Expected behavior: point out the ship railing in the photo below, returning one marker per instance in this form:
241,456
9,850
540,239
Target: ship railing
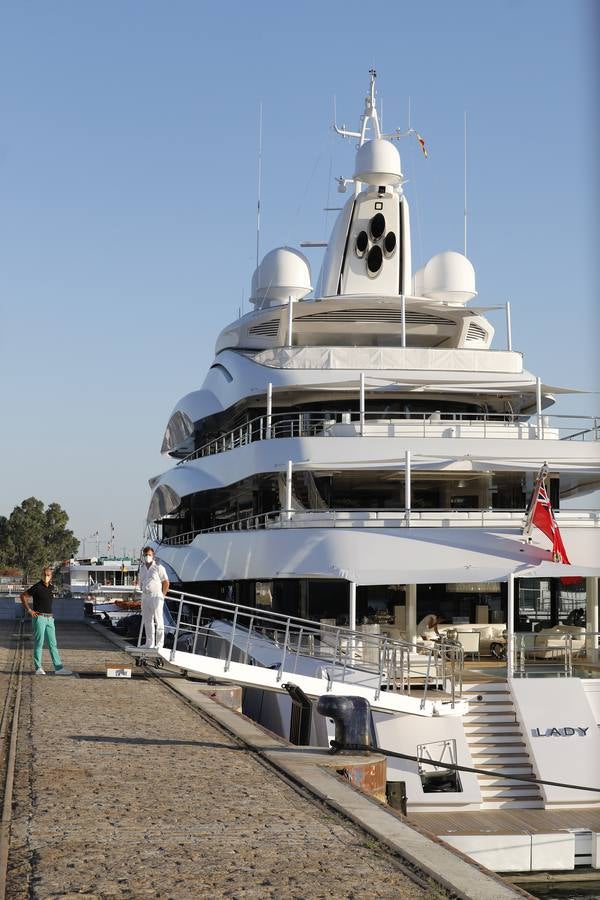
232,632
342,423
383,518
554,653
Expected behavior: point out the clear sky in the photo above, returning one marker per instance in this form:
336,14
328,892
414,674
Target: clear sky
128,136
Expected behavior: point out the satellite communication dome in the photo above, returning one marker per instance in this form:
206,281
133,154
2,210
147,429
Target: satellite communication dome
282,273
378,162
449,276
418,282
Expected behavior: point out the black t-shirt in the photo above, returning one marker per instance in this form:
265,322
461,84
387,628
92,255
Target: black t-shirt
42,596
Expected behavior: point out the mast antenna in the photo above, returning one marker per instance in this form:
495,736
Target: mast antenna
259,181
465,208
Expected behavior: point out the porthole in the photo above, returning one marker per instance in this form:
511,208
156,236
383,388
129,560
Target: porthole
374,260
389,243
377,226
362,242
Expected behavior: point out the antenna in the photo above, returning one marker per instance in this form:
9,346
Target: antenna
465,210
259,180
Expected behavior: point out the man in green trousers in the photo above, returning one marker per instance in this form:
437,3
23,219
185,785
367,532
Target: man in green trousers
42,622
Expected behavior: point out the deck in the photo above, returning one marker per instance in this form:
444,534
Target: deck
513,821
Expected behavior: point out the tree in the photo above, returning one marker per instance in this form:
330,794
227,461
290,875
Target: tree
61,543
3,538
36,537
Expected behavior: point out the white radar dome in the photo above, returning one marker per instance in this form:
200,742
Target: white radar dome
282,273
417,287
378,162
449,276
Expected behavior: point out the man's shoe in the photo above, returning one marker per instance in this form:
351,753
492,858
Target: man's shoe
39,671
63,671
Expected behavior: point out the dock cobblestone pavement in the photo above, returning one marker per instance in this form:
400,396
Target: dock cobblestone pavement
123,791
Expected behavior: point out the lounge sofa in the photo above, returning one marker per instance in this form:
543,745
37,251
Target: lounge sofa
552,642
488,634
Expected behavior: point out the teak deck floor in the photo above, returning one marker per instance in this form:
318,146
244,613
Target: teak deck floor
508,821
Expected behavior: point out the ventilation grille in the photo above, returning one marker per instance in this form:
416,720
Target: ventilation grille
389,316
476,333
265,329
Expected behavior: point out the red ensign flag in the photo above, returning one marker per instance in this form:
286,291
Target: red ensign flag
541,515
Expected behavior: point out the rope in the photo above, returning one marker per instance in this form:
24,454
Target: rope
336,746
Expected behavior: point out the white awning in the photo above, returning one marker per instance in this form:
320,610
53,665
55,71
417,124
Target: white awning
380,556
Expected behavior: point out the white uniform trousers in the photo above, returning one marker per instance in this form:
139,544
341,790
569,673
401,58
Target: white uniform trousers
152,617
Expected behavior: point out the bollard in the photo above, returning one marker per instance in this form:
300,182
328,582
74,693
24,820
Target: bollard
352,717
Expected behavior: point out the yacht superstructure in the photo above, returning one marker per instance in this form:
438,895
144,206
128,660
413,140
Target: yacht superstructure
373,412
359,455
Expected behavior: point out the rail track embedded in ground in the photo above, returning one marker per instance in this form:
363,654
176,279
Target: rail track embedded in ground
9,727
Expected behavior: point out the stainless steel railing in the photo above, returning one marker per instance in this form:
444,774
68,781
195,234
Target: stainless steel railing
226,630
536,653
388,518
342,423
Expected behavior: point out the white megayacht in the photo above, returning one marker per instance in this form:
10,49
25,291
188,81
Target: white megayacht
360,456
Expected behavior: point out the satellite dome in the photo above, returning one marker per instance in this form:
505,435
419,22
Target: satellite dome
282,273
418,282
378,162
449,276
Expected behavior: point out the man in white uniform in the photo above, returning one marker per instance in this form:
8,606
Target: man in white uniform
154,584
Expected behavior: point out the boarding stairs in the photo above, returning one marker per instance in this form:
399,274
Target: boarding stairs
497,744
257,648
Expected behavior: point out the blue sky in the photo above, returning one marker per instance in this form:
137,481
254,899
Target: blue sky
128,135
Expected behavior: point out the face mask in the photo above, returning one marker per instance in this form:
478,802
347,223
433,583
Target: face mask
148,557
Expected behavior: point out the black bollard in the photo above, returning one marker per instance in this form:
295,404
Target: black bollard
352,717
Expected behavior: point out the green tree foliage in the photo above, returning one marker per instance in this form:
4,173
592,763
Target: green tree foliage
33,537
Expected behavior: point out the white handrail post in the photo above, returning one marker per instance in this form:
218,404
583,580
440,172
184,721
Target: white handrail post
510,630
290,323
591,594
403,318
269,408
362,404
352,606
288,490
407,486
538,401
177,626
508,327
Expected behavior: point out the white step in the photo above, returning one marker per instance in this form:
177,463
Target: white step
477,709
487,695
491,738
512,804
508,793
500,770
497,761
471,730
489,782
495,751
490,718
482,687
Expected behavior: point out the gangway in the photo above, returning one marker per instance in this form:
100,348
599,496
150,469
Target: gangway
262,649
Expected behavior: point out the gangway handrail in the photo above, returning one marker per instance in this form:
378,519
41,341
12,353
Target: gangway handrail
342,649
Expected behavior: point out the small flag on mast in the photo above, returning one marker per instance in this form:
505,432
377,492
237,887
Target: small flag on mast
422,144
